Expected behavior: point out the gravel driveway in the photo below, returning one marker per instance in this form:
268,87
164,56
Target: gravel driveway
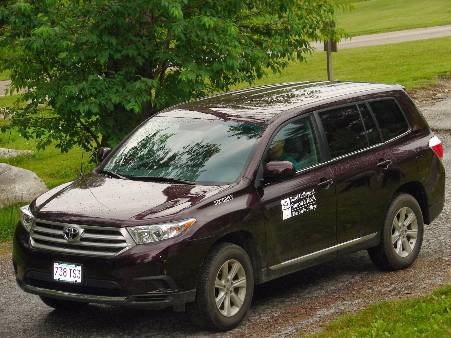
301,302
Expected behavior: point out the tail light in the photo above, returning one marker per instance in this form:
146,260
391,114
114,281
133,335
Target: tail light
436,145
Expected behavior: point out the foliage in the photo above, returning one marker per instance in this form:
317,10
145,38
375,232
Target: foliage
428,316
94,69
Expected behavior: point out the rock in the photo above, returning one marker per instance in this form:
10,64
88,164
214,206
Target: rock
18,185
7,153
4,85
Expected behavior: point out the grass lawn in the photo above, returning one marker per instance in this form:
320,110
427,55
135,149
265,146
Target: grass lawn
4,76
52,166
375,16
412,64
428,316
7,101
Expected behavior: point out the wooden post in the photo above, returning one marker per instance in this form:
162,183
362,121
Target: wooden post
330,75
330,46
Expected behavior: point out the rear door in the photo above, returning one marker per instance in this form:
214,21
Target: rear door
397,155
357,165
300,212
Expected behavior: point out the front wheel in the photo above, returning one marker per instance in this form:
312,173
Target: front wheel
225,288
402,235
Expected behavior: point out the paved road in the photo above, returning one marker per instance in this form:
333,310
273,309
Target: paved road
393,37
300,302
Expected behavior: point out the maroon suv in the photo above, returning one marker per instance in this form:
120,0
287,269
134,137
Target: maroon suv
206,199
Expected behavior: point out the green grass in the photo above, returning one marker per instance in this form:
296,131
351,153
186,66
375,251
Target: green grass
52,166
7,101
8,219
412,64
428,316
4,75
375,16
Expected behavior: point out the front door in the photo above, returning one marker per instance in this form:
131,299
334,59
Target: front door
300,211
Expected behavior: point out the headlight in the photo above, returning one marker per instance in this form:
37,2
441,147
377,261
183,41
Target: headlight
158,232
26,217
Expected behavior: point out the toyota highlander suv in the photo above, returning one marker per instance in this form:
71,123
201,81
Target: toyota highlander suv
206,199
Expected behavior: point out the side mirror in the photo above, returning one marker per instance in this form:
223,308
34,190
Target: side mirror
278,170
102,153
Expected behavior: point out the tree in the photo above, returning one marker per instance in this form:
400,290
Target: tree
91,70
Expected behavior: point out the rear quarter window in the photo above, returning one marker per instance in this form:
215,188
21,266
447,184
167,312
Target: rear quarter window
390,118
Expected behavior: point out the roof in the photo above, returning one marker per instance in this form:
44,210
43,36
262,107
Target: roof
261,104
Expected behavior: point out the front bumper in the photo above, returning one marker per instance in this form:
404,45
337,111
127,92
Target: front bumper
153,278
154,300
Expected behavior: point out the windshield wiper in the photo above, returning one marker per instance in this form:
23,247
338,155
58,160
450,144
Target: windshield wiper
159,179
112,174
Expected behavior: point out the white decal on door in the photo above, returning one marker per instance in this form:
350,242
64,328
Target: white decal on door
222,200
298,204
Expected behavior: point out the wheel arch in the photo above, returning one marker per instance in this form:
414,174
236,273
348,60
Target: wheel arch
246,240
416,189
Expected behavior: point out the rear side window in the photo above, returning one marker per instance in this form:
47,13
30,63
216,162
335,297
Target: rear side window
344,130
371,130
391,120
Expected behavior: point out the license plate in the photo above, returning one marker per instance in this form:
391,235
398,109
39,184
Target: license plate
65,272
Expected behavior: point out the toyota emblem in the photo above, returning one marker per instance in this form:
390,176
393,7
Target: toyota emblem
72,233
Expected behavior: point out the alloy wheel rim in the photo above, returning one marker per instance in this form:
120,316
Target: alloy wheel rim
404,232
230,288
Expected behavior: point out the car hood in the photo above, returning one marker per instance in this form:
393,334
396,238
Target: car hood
99,197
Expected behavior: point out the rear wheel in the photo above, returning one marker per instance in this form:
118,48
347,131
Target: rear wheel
62,305
402,235
225,288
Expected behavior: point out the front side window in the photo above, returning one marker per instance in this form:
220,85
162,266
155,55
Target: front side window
296,143
210,151
389,117
344,130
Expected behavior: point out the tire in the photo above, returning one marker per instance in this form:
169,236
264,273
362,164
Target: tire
400,243
204,311
63,305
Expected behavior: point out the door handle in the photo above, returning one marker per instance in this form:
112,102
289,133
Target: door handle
325,183
384,164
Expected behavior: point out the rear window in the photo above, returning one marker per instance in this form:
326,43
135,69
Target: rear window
390,118
344,130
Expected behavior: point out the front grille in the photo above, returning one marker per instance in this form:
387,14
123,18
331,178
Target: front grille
94,240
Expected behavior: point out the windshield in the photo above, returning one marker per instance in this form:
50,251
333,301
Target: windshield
186,149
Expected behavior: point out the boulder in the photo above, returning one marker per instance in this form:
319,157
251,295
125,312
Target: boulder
7,153
18,185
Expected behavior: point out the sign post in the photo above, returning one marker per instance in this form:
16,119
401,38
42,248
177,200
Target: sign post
330,46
